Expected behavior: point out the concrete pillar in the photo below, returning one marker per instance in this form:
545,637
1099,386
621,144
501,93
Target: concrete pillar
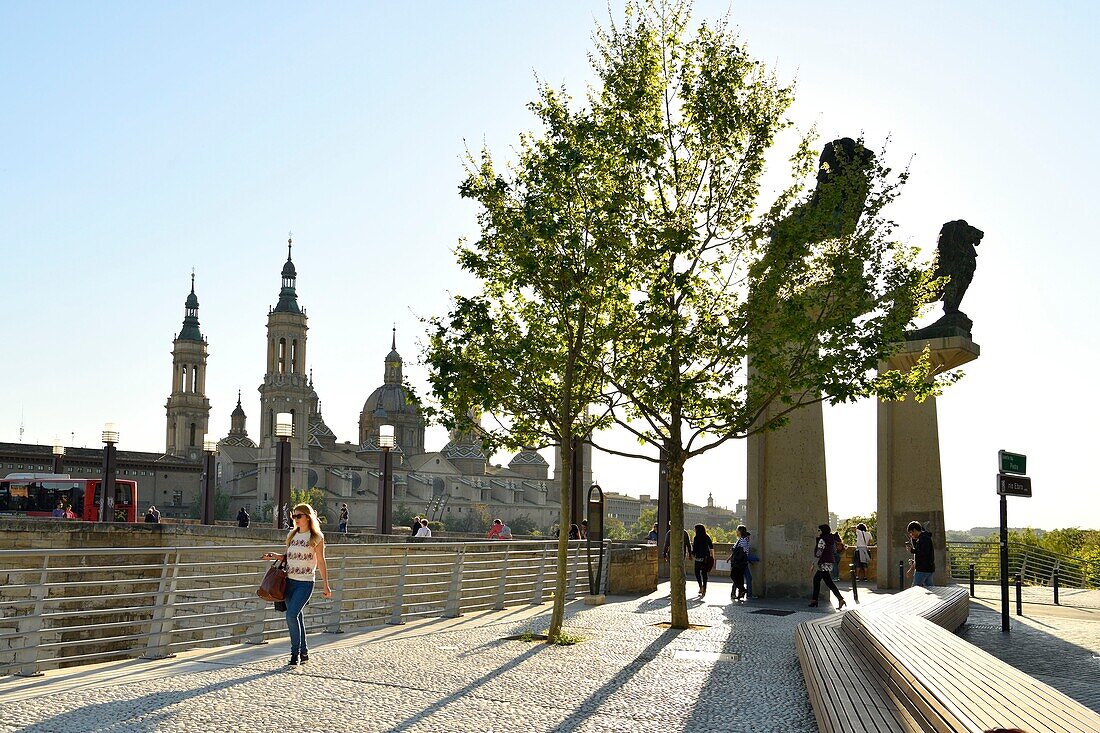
787,499
910,485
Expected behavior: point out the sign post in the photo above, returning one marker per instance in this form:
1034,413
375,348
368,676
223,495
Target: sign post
1010,482
595,537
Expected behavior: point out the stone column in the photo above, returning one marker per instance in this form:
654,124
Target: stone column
787,499
910,485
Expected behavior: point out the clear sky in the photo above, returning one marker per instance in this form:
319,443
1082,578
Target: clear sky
144,139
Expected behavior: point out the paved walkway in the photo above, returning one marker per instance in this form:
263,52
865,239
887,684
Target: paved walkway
739,673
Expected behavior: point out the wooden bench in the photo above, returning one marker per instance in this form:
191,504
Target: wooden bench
895,665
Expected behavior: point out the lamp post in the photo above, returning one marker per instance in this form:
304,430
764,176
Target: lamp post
110,438
206,506
58,455
284,430
386,441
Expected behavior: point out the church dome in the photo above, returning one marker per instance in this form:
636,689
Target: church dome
463,448
288,269
392,398
529,457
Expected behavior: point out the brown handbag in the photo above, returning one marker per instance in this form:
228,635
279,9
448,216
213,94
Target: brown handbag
273,587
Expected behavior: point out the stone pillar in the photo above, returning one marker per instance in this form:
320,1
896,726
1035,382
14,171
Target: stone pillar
787,499
910,485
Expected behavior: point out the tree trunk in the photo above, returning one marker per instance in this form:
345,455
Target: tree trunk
557,617
676,565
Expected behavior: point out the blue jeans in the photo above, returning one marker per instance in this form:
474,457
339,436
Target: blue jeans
297,595
748,580
924,579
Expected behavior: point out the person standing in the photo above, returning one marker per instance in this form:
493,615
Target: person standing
748,568
424,530
242,518
864,540
702,549
304,556
838,555
344,518
152,516
652,536
668,543
584,529
59,510
924,554
739,563
824,559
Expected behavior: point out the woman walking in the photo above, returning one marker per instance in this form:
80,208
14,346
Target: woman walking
304,556
863,555
824,558
702,549
739,563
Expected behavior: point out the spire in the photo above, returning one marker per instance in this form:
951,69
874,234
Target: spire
393,344
393,362
190,330
288,296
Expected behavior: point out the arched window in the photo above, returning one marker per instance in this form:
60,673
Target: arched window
294,356
192,435
194,379
186,382
282,356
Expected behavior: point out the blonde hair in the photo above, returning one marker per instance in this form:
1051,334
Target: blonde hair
316,536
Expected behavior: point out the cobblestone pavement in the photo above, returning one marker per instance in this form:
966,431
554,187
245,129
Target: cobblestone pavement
457,675
737,674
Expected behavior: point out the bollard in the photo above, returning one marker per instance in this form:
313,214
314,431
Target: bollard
1019,595
901,575
855,585
972,580
1056,588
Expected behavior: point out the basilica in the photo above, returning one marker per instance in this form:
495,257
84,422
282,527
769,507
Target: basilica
439,484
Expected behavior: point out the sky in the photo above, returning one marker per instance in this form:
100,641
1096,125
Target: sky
146,139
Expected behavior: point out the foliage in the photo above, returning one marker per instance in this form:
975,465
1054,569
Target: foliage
315,497
522,524
566,639
476,520
402,515
222,509
641,528
847,527
614,529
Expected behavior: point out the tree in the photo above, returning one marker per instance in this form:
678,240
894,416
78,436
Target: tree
529,349
847,527
614,529
810,291
646,520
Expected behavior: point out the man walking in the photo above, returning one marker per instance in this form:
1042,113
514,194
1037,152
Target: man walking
924,556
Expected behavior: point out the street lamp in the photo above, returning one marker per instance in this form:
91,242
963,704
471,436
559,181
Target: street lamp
110,437
206,506
386,441
284,431
58,455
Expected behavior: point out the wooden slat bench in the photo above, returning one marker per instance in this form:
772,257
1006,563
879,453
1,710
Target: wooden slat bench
895,665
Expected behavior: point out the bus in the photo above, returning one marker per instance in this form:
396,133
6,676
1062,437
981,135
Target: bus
37,495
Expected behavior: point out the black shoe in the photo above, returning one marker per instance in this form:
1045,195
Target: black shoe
293,662
813,605
305,657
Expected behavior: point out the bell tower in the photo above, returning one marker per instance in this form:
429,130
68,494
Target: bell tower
188,408
286,383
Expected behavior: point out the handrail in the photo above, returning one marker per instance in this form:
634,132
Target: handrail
77,604
1034,564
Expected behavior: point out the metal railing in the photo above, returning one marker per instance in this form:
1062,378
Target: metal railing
73,606
1034,565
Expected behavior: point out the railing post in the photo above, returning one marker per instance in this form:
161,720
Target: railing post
855,583
571,576
454,595
1019,595
972,594
502,587
336,606
399,591
160,625
606,570
901,575
540,579
1056,587
31,626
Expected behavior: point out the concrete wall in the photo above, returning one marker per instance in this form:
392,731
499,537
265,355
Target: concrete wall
632,570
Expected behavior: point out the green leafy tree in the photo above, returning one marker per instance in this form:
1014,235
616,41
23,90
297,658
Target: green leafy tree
646,520
847,528
222,509
614,529
810,290
315,497
476,520
529,349
522,524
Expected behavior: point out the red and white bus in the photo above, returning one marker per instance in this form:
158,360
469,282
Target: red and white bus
38,494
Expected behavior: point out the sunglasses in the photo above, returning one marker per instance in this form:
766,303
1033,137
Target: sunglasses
297,516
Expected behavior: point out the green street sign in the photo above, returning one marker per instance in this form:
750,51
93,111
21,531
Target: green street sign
1011,462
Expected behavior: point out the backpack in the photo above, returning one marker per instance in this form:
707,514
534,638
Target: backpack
740,558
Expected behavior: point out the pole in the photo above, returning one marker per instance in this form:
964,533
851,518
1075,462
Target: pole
108,482
1019,595
206,507
901,575
855,585
1004,564
663,513
1056,588
576,484
972,580
384,519
282,478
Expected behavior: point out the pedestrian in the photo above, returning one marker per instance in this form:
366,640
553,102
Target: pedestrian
152,515
574,532
505,532
242,518
424,530
344,517
824,559
864,540
702,549
496,529
59,510
924,554
739,563
652,536
838,553
304,556
753,558
414,526
668,543
584,529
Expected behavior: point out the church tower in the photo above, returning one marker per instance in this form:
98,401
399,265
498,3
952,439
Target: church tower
286,384
188,408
